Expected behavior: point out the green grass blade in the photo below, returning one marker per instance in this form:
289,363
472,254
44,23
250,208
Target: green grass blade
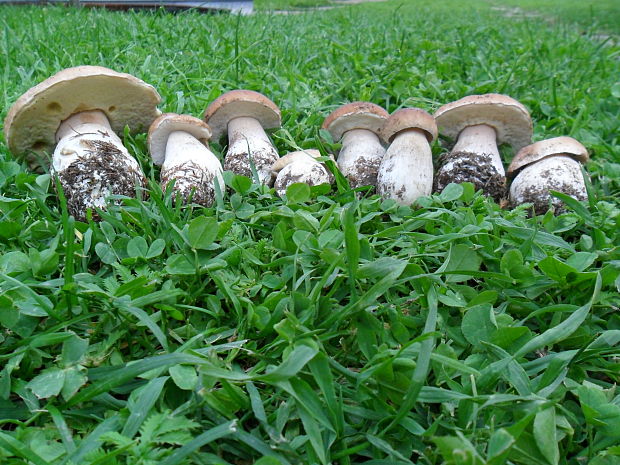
211,435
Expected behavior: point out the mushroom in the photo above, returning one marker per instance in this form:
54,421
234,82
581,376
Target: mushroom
481,123
551,164
300,166
75,114
179,144
244,115
357,125
406,171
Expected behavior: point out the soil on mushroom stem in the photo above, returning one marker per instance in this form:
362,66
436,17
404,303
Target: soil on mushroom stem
191,182
315,176
471,167
540,197
239,163
102,173
365,173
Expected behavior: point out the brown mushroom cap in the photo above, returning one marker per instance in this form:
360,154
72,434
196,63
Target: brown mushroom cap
32,121
563,145
355,115
509,118
290,157
169,122
410,118
238,103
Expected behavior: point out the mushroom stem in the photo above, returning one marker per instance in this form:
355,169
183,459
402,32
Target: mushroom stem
192,166
300,167
475,158
406,171
560,173
183,147
360,157
75,137
247,139
480,139
92,163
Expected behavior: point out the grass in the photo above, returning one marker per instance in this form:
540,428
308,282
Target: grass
322,328
270,5
601,15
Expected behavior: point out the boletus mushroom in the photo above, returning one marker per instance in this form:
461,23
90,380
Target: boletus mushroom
406,171
244,115
75,115
179,144
301,166
480,123
552,164
357,126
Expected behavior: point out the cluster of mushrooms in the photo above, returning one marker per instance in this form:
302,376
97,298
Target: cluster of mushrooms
77,113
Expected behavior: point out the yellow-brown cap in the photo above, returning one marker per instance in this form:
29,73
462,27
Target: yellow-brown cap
355,115
509,118
169,122
32,121
563,145
239,103
409,118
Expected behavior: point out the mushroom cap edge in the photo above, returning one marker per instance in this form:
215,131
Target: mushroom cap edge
510,119
355,115
131,102
167,123
241,103
562,145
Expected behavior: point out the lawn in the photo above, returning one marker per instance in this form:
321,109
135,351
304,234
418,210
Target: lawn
323,328
602,16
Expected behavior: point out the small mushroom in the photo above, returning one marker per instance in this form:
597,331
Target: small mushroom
244,115
357,125
76,114
406,171
179,144
551,164
481,123
300,166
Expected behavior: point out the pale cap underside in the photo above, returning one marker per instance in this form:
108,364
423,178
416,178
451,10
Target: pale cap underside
309,155
355,115
32,121
241,103
563,145
167,123
410,118
510,119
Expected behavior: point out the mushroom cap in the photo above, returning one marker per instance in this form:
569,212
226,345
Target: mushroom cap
563,145
169,122
32,121
355,115
305,155
410,118
238,103
509,118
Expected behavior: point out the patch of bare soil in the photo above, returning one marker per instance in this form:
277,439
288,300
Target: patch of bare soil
516,12
336,4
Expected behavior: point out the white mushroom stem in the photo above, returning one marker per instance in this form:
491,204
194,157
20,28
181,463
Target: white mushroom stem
183,148
480,139
359,145
406,171
247,136
76,135
193,168
299,167
561,173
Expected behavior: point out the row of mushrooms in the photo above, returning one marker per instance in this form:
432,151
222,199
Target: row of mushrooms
77,114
